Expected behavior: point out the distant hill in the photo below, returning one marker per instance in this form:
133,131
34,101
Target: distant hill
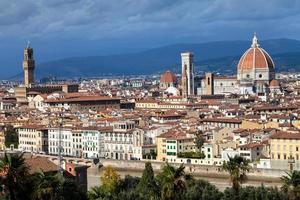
221,56
286,62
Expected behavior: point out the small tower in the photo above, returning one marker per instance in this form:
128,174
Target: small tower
209,83
28,66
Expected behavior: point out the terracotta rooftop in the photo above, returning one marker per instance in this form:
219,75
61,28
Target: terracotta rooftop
80,99
251,145
225,120
168,77
255,58
286,135
36,164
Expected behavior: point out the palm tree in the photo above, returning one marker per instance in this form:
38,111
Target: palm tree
237,167
14,173
48,187
173,182
52,187
291,184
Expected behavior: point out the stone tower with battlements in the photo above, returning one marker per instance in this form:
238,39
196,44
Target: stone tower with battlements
28,66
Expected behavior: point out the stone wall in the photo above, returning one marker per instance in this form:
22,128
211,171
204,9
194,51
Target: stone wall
197,170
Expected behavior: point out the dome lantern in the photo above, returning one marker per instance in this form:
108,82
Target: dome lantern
254,41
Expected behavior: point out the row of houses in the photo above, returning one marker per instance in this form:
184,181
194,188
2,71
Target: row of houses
120,140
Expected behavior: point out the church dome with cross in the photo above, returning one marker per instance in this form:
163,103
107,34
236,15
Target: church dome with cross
256,67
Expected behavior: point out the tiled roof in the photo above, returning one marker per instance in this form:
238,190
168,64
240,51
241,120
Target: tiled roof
286,135
255,57
36,164
168,77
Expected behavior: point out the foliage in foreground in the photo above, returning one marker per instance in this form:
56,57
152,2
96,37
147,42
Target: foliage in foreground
237,167
18,184
173,183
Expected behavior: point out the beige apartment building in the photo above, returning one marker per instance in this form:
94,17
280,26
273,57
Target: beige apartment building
33,138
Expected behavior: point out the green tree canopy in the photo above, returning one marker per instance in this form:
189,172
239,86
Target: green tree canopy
148,186
173,182
199,140
11,137
110,180
237,167
14,173
291,184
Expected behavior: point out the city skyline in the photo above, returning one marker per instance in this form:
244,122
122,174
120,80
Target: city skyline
150,99
87,28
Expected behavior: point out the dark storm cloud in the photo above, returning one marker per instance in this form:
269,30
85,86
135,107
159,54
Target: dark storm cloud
174,19
58,27
14,13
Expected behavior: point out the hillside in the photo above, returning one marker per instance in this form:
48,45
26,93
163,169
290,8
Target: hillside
219,56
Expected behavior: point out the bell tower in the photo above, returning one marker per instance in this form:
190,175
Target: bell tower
187,80
28,66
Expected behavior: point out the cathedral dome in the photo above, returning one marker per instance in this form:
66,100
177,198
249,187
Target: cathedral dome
274,83
168,77
255,58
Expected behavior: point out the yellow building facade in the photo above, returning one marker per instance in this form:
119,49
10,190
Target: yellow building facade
285,150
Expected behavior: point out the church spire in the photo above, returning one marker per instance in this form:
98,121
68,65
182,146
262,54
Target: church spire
254,41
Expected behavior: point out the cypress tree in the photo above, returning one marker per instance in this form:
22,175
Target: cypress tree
147,186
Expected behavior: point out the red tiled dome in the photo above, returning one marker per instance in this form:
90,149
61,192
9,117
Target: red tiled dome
274,83
168,77
255,58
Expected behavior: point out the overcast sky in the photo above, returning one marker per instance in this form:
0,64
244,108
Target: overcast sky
62,28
